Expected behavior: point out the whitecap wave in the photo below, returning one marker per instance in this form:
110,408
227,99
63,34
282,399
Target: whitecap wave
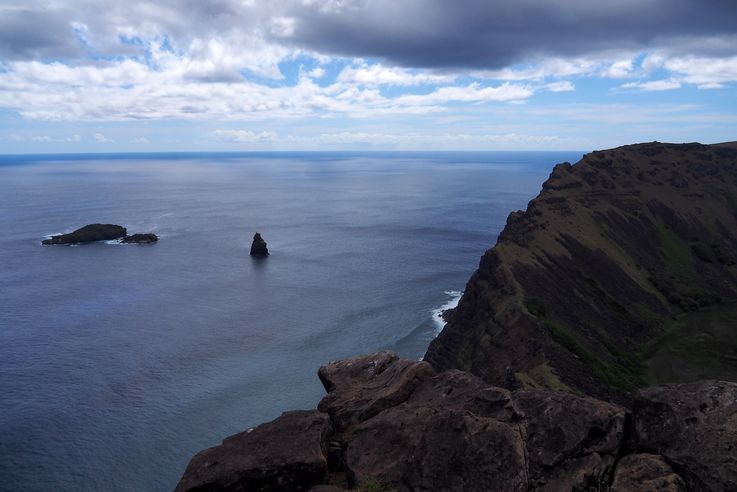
437,313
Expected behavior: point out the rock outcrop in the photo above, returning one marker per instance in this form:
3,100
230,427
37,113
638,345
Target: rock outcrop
694,427
258,246
88,234
288,453
584,285
101,232
393,424
147,238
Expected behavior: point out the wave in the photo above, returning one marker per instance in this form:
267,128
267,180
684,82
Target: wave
437,313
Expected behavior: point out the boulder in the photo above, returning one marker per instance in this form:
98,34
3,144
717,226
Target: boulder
362,387
425,448
288,453
646,473
694,427
571,441
88,234
258,246
140,238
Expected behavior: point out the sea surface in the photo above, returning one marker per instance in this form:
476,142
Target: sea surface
119,362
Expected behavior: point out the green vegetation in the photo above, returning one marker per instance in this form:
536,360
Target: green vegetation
677,255
543,377
626,373
697,345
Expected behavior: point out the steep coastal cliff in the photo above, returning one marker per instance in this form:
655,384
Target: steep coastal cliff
621,273
591,282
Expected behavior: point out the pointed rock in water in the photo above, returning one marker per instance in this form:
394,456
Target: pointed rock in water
88,234
258,246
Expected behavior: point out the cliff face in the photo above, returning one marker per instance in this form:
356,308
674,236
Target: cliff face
582,288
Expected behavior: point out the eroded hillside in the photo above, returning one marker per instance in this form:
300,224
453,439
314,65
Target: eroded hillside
586,286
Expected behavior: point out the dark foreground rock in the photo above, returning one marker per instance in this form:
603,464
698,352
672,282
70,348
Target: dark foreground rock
288,453
394,424
694,427
258,246
88,234
140,238
645,472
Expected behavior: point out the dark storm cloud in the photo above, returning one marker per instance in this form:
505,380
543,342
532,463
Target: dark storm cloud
484,34
27,34
494,33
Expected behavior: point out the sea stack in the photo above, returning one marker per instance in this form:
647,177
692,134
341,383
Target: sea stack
258,246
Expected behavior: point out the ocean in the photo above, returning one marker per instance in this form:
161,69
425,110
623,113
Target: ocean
119,362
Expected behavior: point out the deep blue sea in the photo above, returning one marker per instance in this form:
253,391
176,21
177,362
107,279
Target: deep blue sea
119,362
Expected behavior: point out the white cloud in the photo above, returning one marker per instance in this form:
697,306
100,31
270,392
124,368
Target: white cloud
316,73
546,68
13,137
471,93
562,86
621,69
654,85
140,140
416,140
131,90
380,75
99,137
241,136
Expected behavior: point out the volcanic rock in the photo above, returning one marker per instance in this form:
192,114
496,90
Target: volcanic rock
596,269
140,238
395,424
646,473
258,246
362,387
694,427
88,234
288,453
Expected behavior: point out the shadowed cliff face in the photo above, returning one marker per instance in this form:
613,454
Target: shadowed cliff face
585,286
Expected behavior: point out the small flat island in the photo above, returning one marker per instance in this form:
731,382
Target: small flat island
101,232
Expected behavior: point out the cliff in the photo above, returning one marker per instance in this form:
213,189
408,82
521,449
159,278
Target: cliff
587,290
621,273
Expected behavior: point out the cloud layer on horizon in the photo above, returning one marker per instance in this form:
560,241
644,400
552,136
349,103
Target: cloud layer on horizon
249,60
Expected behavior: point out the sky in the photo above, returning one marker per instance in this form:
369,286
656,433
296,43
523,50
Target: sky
242,75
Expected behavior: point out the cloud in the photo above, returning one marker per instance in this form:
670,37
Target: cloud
705,72
241,136
561,86
132,90
471,93
13,137
104,60
378,74
493,34
99,137
423,140
654,85
140,140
